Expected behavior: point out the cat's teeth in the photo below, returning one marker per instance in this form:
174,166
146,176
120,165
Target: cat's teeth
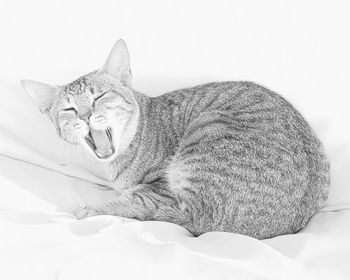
103,142
90,141
109,134
105,154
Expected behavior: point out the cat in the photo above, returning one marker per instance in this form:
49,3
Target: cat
224,156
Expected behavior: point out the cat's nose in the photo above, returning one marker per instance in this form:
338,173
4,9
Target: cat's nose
86,116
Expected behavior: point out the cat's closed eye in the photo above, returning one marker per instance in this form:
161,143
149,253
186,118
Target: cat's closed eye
108,100
67,113
100,100
100,97
70,109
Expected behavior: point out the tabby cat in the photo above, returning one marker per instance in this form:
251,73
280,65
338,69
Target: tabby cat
227,156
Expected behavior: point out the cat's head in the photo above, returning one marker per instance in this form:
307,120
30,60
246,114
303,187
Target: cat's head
97,111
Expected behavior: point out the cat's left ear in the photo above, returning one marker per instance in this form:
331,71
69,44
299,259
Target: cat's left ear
118,62
43,95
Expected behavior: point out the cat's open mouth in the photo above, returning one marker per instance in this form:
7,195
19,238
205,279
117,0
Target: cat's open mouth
101,142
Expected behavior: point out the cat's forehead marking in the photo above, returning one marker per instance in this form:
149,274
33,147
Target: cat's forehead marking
83,99
80,91
78,87
86,88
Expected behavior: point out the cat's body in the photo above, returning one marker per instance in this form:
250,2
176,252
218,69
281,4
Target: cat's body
230,156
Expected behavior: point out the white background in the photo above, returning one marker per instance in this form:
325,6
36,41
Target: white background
300,49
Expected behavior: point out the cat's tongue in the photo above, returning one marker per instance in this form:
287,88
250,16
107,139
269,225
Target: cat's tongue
102,143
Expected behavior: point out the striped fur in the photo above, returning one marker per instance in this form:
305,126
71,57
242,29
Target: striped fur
228,156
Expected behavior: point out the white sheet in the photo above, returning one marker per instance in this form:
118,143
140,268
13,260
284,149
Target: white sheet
39,239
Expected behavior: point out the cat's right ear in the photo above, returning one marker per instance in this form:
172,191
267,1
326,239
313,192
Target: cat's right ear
43,95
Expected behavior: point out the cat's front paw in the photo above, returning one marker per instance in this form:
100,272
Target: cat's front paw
85,212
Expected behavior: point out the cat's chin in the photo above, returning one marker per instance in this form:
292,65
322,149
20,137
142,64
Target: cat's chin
100,143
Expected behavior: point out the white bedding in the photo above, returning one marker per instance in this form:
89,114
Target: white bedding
297,48
39,239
